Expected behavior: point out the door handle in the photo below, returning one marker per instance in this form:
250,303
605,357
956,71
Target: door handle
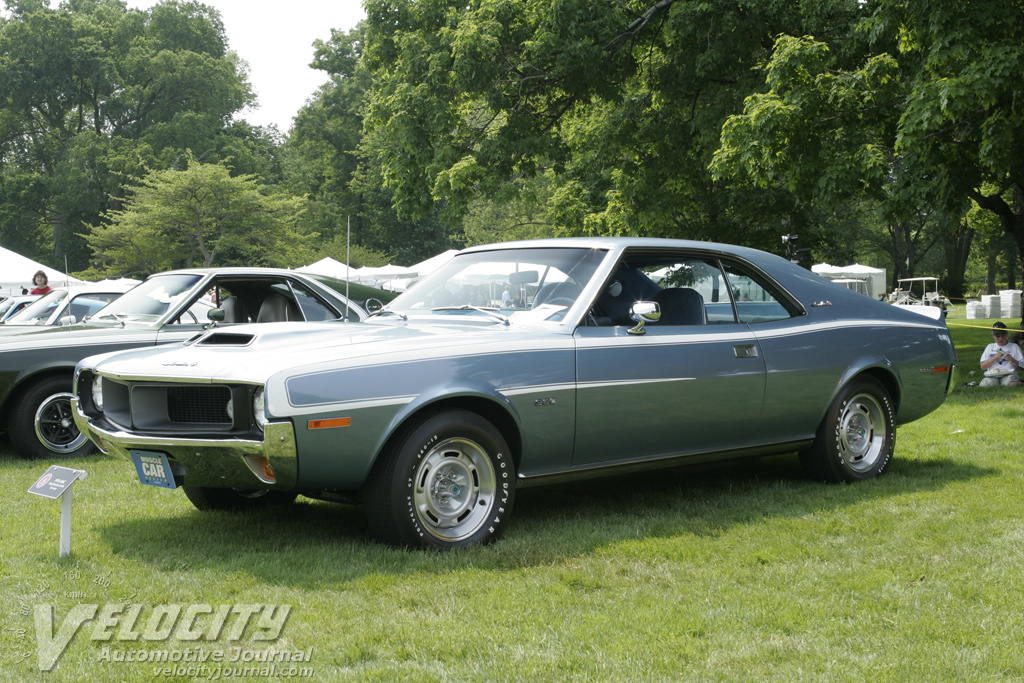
745,350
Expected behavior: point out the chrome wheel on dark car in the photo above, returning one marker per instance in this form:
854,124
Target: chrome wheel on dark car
42,426
857,437
448,481
454,488
55,425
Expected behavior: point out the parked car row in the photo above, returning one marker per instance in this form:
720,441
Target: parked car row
63,306
513,365
38,354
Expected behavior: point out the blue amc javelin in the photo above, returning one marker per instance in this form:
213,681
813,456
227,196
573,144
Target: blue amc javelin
518,364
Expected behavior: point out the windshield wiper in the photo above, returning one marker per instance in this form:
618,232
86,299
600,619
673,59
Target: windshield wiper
383,311
469,307
116,316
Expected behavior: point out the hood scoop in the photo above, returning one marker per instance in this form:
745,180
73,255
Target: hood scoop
226,339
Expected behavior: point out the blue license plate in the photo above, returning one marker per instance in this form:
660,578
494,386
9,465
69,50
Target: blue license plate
153,468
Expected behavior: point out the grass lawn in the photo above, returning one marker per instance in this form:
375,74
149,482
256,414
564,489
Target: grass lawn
747,573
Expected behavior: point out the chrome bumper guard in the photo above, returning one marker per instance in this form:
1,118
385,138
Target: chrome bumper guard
221,463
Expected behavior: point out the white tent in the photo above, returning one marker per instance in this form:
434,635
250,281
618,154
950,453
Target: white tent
331,268
874,278
387,272
16,273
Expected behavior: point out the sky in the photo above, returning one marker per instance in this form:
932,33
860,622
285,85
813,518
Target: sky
276,39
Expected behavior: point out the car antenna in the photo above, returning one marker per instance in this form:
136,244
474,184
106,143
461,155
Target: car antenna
348,267
67,283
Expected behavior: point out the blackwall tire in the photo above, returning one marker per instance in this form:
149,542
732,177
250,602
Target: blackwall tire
53,434
857,438
447,481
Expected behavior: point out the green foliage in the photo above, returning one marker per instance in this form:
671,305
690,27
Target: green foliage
915,108
93,94
331,159
619,103
200,216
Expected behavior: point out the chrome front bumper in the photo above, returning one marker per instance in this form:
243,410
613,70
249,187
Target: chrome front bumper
220,463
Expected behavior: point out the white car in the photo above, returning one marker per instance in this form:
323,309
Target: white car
67,305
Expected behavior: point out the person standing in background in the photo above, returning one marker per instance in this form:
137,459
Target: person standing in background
41,282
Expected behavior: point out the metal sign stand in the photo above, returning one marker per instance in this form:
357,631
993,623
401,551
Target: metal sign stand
56,483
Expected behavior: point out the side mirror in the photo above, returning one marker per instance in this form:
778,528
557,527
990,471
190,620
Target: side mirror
644,312
67,320
216,315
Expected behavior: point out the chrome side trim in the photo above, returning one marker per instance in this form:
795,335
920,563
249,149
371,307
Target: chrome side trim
629,382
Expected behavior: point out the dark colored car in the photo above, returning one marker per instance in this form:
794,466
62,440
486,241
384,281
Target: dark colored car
519,364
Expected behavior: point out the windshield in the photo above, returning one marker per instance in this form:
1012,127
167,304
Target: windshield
152,299
39,311
538,284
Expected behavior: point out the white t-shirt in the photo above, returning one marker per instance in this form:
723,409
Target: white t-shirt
1002,366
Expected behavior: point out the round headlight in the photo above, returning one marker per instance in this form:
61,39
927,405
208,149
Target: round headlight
259,408
230,408
97,392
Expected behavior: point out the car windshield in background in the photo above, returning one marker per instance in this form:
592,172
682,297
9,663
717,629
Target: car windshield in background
58,303
40,310
539,284
151,300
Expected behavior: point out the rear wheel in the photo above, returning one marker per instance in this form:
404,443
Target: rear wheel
857,437
446,482
209,498
41,424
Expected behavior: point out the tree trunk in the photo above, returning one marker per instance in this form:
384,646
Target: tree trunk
1010,216
958,249
990,273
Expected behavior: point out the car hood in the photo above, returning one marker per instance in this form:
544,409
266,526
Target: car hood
253,353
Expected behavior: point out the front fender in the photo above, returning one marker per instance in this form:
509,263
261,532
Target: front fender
481,399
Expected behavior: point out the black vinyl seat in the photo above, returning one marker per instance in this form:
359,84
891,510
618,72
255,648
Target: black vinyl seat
681,306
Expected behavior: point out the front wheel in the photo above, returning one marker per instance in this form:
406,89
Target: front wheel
447,481
857,437
41,424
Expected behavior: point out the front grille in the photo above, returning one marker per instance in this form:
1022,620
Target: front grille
201,404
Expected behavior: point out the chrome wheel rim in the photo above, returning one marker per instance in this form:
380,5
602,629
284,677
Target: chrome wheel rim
455,488
55,425
862,432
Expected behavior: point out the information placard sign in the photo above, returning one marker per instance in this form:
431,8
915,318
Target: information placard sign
55,481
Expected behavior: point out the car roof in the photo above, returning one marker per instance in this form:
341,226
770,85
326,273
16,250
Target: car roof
231,270
619,244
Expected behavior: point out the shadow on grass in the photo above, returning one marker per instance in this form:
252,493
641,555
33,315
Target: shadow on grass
312,544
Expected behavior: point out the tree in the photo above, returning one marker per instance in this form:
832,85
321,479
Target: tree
200,216
621,102
918,107
331,160
92,94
